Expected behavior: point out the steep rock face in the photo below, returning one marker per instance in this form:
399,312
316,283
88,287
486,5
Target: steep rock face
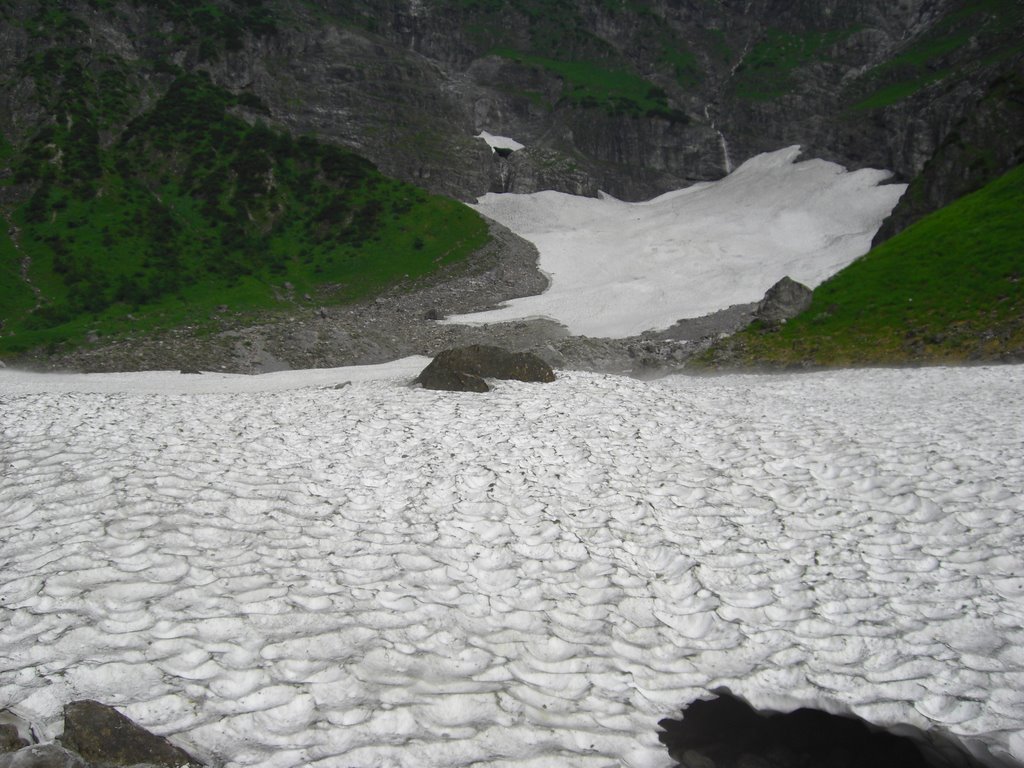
386,103
872,83
632,101
987,141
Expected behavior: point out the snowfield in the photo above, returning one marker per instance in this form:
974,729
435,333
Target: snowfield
500,142
277,572
618,269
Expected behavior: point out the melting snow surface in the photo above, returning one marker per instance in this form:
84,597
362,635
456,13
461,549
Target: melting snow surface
618,269
500,142
280,573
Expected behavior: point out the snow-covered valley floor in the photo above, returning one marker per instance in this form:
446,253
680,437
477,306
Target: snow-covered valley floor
280,573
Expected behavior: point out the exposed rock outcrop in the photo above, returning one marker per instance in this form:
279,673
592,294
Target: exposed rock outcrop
870,83
986,142
784,300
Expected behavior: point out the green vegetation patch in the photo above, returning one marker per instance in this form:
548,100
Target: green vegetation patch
220,25
685,66
216,25
16,297
589,85
765,73
193,208
948,288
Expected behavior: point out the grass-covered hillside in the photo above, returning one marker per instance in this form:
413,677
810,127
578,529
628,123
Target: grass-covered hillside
191,208
949,288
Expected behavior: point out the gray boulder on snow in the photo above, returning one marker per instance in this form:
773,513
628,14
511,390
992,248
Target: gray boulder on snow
784,300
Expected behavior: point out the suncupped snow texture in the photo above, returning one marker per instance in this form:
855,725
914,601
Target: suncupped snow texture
384,575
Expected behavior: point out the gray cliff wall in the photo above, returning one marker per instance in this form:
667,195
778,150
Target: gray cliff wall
409,83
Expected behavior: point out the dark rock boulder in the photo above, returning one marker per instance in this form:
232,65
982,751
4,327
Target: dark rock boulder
106,738
728,733
786,299
9,739
42,756
443,378
463,369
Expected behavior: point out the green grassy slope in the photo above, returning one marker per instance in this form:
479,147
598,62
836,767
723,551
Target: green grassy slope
949,288
193,208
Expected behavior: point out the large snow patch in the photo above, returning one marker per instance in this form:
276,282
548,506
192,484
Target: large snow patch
281,573
618,269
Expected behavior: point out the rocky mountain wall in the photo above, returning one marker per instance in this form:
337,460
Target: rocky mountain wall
630,99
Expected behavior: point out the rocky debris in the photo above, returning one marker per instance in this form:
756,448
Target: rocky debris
728,733
105,737
463,369
696,330
784,300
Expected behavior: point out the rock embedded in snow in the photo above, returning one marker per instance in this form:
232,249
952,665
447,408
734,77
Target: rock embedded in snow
463,369
105,737
784,300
